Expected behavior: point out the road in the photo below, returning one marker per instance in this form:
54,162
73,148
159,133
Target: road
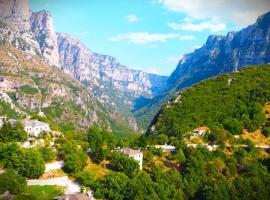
70,187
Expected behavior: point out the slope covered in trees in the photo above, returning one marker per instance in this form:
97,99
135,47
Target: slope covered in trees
230,101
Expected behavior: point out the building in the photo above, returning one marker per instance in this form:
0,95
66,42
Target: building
166,148
201,131
35,127
132,153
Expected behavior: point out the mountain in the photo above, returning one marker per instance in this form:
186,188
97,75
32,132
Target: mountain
230,101
220,54
115,85
28,86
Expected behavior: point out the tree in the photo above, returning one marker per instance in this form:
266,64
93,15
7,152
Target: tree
12,182
233,125
27,162
101,143
47,154
74,157
12,133
141,187
113,186
122,163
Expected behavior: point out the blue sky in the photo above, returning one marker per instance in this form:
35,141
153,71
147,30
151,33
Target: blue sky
149,34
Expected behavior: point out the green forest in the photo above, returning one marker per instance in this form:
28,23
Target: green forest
230,101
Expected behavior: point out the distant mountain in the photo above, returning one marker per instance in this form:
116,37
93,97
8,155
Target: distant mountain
114,84
29,86
220,54
229,101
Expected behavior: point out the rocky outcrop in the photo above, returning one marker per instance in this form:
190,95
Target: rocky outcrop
115,85
102,70
221,54
43,29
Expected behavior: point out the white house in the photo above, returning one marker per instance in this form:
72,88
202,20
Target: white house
166,148
200,131
132,153
35,127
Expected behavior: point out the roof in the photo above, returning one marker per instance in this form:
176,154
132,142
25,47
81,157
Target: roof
203,128
33,123
130,151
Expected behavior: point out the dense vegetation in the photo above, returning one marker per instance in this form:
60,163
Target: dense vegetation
230,101
199,174
12,133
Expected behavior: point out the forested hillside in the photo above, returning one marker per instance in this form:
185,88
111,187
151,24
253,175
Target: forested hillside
230,101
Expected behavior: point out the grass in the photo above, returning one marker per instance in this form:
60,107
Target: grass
96,170
28,89
46,192
53,174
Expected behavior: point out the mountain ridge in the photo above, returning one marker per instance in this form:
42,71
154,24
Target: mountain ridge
220,54
34,33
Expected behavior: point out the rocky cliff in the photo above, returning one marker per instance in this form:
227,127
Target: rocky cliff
220,54
114,84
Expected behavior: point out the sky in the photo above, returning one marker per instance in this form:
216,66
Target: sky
151,35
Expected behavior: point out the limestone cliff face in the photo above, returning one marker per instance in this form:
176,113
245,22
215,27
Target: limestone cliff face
29,31
221,54
43,29
101,72
115,85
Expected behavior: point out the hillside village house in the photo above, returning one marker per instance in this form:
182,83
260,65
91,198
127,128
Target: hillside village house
166,148
132,153
35,127
200,131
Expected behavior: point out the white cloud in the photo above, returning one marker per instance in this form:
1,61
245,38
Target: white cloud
205,25
132,18
240,12
143,37
186,37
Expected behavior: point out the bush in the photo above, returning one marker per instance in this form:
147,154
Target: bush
28,89
74,157
12,182
12,133
121,163
27,162
266,131
47,154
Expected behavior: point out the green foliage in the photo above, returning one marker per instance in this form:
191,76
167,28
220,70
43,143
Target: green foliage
101,143
27,162
6,110
122,163
113,186
47,154
74,157
214,102
12,133
12,182
266,131
46,192
28,89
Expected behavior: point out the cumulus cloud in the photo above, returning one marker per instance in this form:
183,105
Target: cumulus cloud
198,27
240,12
132,18
143,37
